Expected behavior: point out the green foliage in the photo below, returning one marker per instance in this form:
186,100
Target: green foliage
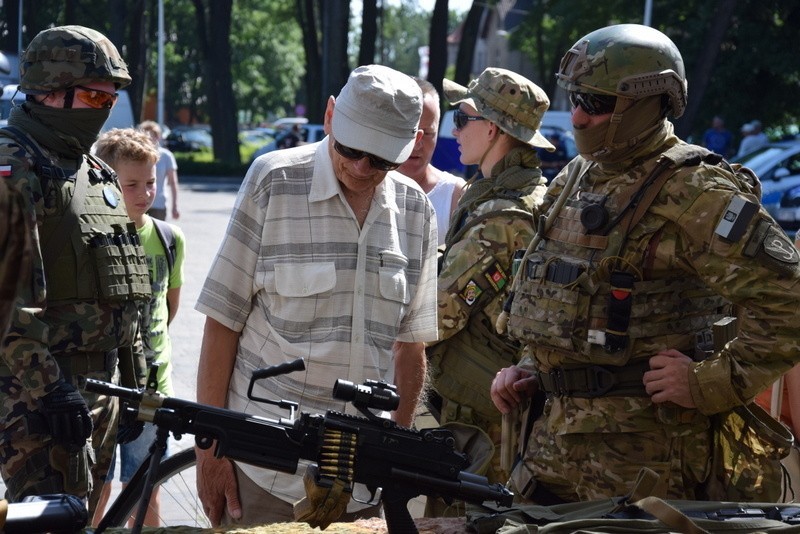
203,164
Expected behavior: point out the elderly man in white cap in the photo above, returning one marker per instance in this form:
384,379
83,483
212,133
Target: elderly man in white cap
329,256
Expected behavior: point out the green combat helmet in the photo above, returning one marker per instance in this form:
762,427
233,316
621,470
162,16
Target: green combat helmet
514,103
66,56
626,60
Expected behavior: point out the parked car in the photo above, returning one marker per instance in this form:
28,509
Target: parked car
778,167
309,133
788,215
447,157
189,139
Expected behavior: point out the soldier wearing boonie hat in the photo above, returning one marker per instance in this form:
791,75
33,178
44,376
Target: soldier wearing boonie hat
497,127
79,316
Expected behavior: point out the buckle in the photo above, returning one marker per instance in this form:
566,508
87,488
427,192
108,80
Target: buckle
599,381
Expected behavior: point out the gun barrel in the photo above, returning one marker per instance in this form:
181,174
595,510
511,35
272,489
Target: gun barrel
105,388
467,487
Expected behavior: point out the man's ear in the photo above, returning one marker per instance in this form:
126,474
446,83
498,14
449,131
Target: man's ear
328,118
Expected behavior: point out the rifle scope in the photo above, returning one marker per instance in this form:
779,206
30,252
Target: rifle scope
371,394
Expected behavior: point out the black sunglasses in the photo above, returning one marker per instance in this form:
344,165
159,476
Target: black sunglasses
461,119
593,104
374,161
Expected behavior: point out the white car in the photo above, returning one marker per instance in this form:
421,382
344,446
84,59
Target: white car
777,166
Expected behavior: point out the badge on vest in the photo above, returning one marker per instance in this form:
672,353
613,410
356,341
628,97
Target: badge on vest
471,293
110,196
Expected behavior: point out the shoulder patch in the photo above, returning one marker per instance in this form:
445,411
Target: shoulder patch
5,170
496,276
471,293
772,247
736,219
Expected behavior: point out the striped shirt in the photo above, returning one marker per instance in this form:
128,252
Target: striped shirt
299,278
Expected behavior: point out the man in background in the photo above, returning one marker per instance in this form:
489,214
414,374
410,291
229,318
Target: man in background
166,174
443,188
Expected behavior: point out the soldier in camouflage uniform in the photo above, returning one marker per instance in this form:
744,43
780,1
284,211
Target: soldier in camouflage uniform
647,241
497,127
78,318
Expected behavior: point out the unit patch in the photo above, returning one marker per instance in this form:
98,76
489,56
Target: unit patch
496,277
779,246
471,293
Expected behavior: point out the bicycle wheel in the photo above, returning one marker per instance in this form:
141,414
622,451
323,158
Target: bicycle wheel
178,495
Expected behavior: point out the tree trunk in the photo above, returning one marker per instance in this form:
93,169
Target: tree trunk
437,44
137,56
335,26
704,67
216,52
466,48
369,33
307,18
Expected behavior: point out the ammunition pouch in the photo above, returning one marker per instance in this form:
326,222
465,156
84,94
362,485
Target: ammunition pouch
463,367
593,381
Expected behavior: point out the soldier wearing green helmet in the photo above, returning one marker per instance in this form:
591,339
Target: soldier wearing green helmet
78,317
648,242
497,127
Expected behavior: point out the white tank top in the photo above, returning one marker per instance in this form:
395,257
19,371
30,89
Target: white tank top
441,196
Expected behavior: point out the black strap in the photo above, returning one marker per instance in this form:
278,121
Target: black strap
593,381
167,238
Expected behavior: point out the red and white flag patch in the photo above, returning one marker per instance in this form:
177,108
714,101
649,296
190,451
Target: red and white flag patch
5,170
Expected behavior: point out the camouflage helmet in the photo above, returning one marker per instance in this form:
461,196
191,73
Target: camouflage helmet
66,56
514,103
626,60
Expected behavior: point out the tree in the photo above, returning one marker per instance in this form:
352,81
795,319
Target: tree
466,48
437,44
213,32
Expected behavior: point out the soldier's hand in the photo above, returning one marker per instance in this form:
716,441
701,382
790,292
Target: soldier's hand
67,415
668,378
511,386
129,427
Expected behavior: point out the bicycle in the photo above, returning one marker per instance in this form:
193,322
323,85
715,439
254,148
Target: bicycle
394,462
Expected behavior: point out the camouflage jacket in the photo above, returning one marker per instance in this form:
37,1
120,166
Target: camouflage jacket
687,265
39,329
15,251
490,227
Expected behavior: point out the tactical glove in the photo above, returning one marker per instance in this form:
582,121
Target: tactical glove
129,428
323,504
67,415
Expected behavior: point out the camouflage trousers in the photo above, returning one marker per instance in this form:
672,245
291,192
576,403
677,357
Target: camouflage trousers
31,464
588,466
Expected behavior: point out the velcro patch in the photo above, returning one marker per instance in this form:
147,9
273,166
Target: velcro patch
496,276
471,293
5,170
778,246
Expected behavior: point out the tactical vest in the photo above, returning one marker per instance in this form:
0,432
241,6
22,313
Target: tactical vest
90,248
589,297
463,366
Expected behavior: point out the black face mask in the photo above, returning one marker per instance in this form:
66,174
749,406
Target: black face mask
78,128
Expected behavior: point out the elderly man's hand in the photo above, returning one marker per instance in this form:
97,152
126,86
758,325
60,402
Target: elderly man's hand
511,386
668,378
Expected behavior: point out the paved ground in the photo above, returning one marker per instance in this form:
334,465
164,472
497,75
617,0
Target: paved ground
205,206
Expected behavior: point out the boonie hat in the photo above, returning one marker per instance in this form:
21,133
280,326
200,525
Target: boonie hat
378,111
512,102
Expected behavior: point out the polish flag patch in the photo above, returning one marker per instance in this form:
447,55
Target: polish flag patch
5,170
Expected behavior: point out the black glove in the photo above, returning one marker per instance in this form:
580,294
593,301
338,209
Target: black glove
129,428
67,415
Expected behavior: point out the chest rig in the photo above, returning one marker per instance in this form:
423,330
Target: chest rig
593,292
90,247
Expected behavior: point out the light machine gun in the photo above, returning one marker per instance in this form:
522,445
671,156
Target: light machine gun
370,450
